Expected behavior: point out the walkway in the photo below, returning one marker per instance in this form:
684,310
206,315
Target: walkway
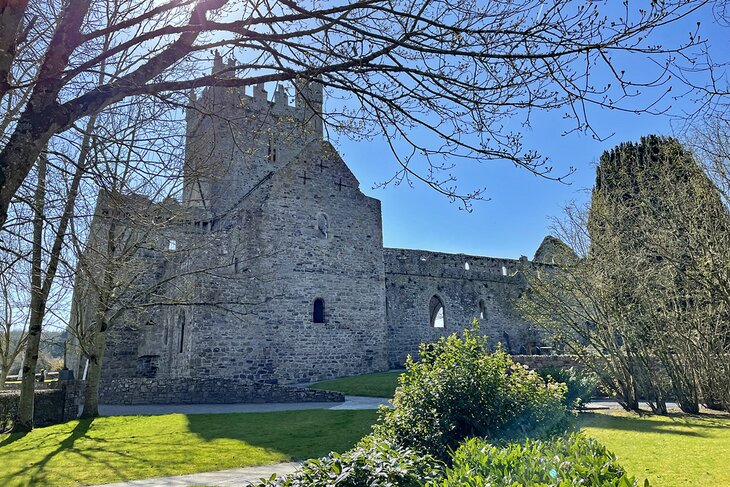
239,477
351,402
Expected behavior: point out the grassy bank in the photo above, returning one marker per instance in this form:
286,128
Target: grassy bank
135,447
374,385
678,451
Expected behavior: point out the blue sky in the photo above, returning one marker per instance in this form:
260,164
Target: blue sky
517,215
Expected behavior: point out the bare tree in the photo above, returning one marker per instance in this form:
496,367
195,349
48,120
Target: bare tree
456,69
650,293
13,323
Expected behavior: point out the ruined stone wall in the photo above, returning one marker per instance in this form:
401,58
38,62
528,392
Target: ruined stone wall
412,277
205,391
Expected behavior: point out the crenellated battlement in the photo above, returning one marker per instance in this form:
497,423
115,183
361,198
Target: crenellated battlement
305,108
236,136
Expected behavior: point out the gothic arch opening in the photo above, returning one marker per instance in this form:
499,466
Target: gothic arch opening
436,312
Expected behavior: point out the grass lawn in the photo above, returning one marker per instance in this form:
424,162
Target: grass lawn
669,451
382,384
135,447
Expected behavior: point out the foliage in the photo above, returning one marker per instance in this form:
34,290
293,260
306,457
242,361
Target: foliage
381,384
137,447
460,390
645,304
581,386
373,462
561,462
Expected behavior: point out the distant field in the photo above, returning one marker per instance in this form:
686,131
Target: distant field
135,447
382,384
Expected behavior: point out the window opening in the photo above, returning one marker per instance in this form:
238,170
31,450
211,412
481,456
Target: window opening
181,319
322,226
318,311
482,310
436,312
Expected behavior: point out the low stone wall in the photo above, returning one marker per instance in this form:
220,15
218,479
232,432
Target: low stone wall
537,362
52,405
205,391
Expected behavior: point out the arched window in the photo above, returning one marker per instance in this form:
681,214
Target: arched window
322,226
436,312
482,310
318,311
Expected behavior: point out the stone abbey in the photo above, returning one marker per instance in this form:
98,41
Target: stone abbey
282,273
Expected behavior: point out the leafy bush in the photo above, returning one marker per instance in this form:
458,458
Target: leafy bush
568,461
460,390
374,462
581,385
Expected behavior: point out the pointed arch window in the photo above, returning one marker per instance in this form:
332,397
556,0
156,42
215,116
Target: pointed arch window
436,312
318,311
482,310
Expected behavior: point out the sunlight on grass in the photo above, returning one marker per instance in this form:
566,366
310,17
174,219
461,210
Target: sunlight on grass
669,451
135,447
382,384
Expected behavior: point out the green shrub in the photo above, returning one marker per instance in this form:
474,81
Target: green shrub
581,385
460,390
374,462
568,461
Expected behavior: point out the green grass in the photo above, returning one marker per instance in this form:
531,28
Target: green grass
382,384
135,447
669,451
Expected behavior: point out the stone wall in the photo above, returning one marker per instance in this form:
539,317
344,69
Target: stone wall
54,403
205,391
537,362
470,288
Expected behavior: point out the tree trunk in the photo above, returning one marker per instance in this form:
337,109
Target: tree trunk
93,378
24,417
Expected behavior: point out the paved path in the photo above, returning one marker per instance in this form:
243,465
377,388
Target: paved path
239,477
351,402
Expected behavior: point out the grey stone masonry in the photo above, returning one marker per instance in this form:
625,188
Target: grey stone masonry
206,391
271,270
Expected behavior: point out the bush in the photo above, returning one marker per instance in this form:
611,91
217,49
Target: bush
460,390
374,462
568,461
581,385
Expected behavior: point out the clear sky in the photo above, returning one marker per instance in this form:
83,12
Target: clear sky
517,215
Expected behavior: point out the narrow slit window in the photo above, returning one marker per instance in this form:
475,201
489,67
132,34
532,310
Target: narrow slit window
318,311
466,266
181,319
504,270
436,312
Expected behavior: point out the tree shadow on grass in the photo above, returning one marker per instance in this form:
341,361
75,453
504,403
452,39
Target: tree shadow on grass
296,434
681,425
12,438
37,473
